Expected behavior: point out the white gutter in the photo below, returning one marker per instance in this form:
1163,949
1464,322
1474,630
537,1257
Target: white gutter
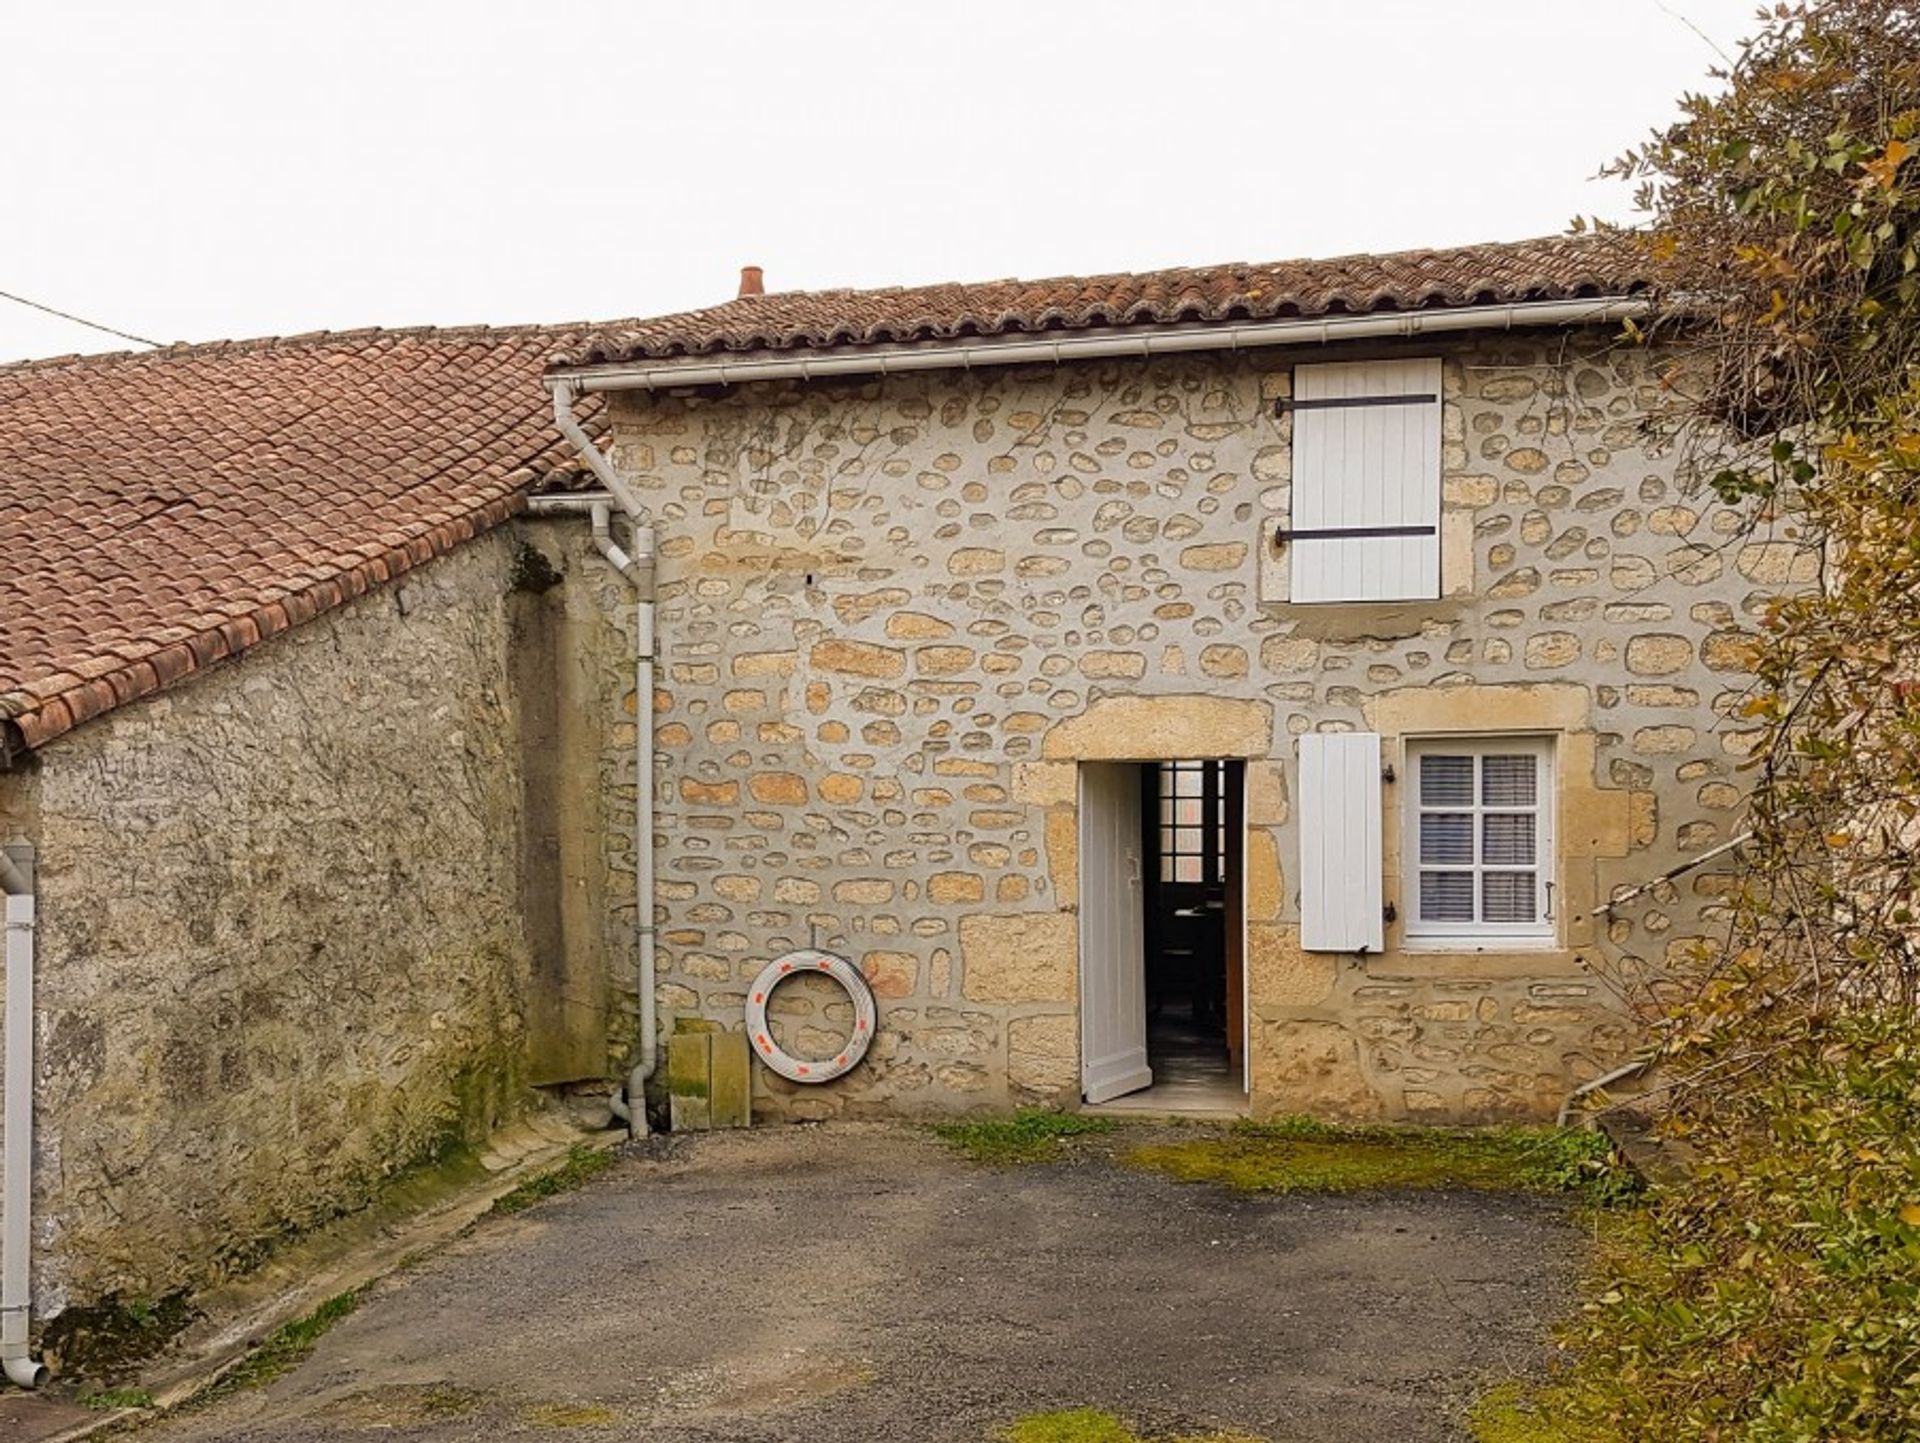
16,1169
583,380
638,568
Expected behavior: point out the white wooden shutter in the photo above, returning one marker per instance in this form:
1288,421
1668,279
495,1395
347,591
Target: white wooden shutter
1366,481
1340,859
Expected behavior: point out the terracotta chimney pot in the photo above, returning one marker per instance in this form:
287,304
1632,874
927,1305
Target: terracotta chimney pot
752,281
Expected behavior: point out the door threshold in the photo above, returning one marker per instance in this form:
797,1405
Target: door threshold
1222,1102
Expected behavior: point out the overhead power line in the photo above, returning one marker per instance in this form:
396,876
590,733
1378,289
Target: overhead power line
77,320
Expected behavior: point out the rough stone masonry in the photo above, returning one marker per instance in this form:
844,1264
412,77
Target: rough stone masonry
898,614
282,955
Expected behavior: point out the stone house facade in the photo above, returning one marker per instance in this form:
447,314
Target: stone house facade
319,709
900,616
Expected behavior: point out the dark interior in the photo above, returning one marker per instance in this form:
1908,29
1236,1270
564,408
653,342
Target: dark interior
1190,816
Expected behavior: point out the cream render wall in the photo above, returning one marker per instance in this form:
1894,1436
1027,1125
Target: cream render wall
895,616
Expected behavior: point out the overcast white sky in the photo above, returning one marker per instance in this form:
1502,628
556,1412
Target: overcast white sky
188,171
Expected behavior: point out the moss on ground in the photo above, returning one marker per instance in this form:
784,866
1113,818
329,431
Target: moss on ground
109,1400
569,1415
1091,1425
117,1332
442,1400
284,1349
1515,1413
1302,1155
1075,1425
582,1162
1032,1134
388,1407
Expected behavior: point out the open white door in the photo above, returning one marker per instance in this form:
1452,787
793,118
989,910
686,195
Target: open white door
1113,973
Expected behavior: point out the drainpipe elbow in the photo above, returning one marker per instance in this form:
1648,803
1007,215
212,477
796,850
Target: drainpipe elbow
604,543
24,1372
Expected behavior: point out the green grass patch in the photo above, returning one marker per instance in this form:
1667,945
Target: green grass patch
1074,1425
1090,1425
110,1400
569,1415
582,1162
284,1349
1033,1134
1303,1155
1515,1413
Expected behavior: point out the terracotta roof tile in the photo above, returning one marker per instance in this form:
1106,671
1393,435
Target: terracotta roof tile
164,510
160,512
1553,268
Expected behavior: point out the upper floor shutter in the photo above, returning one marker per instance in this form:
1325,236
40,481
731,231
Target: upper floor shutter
1340,856
1366,481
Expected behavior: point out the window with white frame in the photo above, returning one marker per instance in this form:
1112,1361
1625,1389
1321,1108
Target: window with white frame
1478,841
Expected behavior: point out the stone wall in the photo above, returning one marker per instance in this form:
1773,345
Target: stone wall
281,954
896,614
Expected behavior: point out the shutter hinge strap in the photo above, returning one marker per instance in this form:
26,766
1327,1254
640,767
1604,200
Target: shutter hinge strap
1281,535
1287,404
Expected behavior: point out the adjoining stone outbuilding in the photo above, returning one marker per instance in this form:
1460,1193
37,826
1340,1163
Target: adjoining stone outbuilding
265,650
1252,679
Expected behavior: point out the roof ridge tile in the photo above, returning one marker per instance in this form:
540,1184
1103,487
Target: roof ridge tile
1489,273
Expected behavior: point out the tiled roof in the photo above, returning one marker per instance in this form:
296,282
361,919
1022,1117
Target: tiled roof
164,510
1554,268
161,511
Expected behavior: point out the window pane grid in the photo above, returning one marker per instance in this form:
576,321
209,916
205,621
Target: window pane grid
1192,821
1476,847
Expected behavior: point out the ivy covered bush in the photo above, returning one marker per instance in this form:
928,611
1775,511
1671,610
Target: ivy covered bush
1774,1296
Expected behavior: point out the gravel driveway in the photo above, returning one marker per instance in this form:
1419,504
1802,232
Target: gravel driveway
862,1283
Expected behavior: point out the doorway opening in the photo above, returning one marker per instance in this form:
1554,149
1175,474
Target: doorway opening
1193,1043
1162,935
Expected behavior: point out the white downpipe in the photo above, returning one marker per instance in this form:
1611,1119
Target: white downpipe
638,569
580,381
643,660
16,1171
